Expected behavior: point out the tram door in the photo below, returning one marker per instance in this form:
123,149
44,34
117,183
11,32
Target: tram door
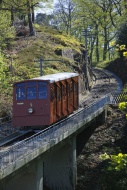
72,96
63,99
68,97
58,102
52,104
75,95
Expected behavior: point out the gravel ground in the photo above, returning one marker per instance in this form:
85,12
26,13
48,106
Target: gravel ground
109,137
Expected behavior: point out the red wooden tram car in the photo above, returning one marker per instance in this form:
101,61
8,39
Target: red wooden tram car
44,100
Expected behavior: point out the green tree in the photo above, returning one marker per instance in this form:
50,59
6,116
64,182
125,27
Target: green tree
64,12
7,31
115,173
121,37
103,16
24,7
45,19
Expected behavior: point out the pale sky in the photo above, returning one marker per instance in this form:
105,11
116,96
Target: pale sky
44,10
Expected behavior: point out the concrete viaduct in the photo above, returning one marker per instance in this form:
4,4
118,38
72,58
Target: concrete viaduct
48,158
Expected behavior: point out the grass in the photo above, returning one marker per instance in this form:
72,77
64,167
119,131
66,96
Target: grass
101,64
24,50
45,46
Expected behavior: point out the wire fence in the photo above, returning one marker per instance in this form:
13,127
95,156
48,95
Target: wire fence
119,97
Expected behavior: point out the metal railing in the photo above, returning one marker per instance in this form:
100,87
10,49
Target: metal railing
68,125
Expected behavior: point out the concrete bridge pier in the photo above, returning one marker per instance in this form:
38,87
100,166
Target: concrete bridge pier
29,177
56,169
39,175
60,167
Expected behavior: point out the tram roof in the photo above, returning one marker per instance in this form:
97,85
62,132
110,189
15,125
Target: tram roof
56,77
51,78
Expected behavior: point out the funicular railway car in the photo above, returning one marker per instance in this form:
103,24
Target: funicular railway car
41,101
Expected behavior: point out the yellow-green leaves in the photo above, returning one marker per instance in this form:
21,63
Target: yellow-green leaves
123,106
117,162
122,47
125,54
104,156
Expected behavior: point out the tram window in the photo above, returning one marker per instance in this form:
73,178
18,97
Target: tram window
20,93
20,84
31,83
42,92
31,93
42,84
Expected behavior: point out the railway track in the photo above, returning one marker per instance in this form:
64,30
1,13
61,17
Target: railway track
23,138
13,140
104,83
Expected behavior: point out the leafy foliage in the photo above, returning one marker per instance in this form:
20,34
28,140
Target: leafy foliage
123,106
7,32
115,176
116,170
121,37
117,162
102,17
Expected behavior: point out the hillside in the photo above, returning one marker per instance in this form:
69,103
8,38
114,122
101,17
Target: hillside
53,45
119,67
109,137
50,44
59,52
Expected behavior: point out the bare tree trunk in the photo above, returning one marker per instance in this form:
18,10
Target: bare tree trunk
30,19
97,50
92,47
97,45
105,44
32,13
69,17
